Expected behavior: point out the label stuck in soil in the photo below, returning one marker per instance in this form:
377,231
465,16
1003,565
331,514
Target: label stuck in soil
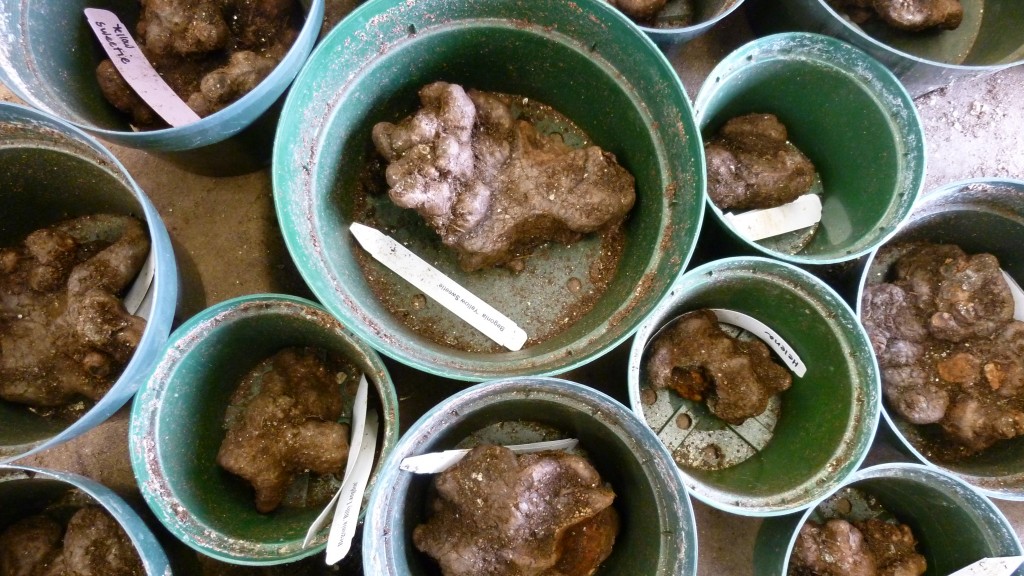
755,225
350,499
440,287
991,567
1018,297
136,69
436,462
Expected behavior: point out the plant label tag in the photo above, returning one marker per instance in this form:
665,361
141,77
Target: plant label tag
440,287
1018,297
346,517
436,462
136,69
1004,566
139,292
757,225
354,446
773,340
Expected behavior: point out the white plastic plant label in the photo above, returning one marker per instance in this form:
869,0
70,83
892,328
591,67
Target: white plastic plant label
139,292
440,287
436,462
757,225
355,445
346,517
136,69
773,340
1004,566
1018,297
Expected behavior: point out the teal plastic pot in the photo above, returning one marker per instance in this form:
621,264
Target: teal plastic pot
657,533
985,215
706,13
954,525
989,39
845,112
827,418
49,60
177,426
583,58
26,491
52,171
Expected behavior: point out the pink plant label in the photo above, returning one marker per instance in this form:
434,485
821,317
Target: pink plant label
136,69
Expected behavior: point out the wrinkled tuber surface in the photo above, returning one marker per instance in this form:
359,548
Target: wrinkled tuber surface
869,548
697,360
287,423
751,164
92,544
210,52
909,15
639,9
948,347
64,333
497,514
491,185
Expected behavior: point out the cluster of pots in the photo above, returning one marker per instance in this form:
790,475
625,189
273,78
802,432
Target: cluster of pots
845,96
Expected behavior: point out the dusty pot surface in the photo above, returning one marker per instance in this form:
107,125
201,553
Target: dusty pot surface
188,393
657,534
82,178
586,61
953,524
50,62
849,116
808,439
989,38
980,216
26,491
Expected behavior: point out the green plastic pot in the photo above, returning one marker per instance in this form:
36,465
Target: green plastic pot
848,114
707,13
979,216
26,491
954,525
657,533
51,171
827,418
990,38
584,59
49,60
177,426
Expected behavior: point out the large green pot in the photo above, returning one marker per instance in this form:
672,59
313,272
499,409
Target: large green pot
51,171
979,216
827,418
990,38
177,426
584,59
49,60
849,115
953,524
657,534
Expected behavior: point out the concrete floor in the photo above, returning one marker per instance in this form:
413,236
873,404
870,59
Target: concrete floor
228,244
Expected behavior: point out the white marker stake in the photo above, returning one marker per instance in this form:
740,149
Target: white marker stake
991,567
136,295
436,462
343,529
441,288
760,224
129,60
355,443
773,340
1018,297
